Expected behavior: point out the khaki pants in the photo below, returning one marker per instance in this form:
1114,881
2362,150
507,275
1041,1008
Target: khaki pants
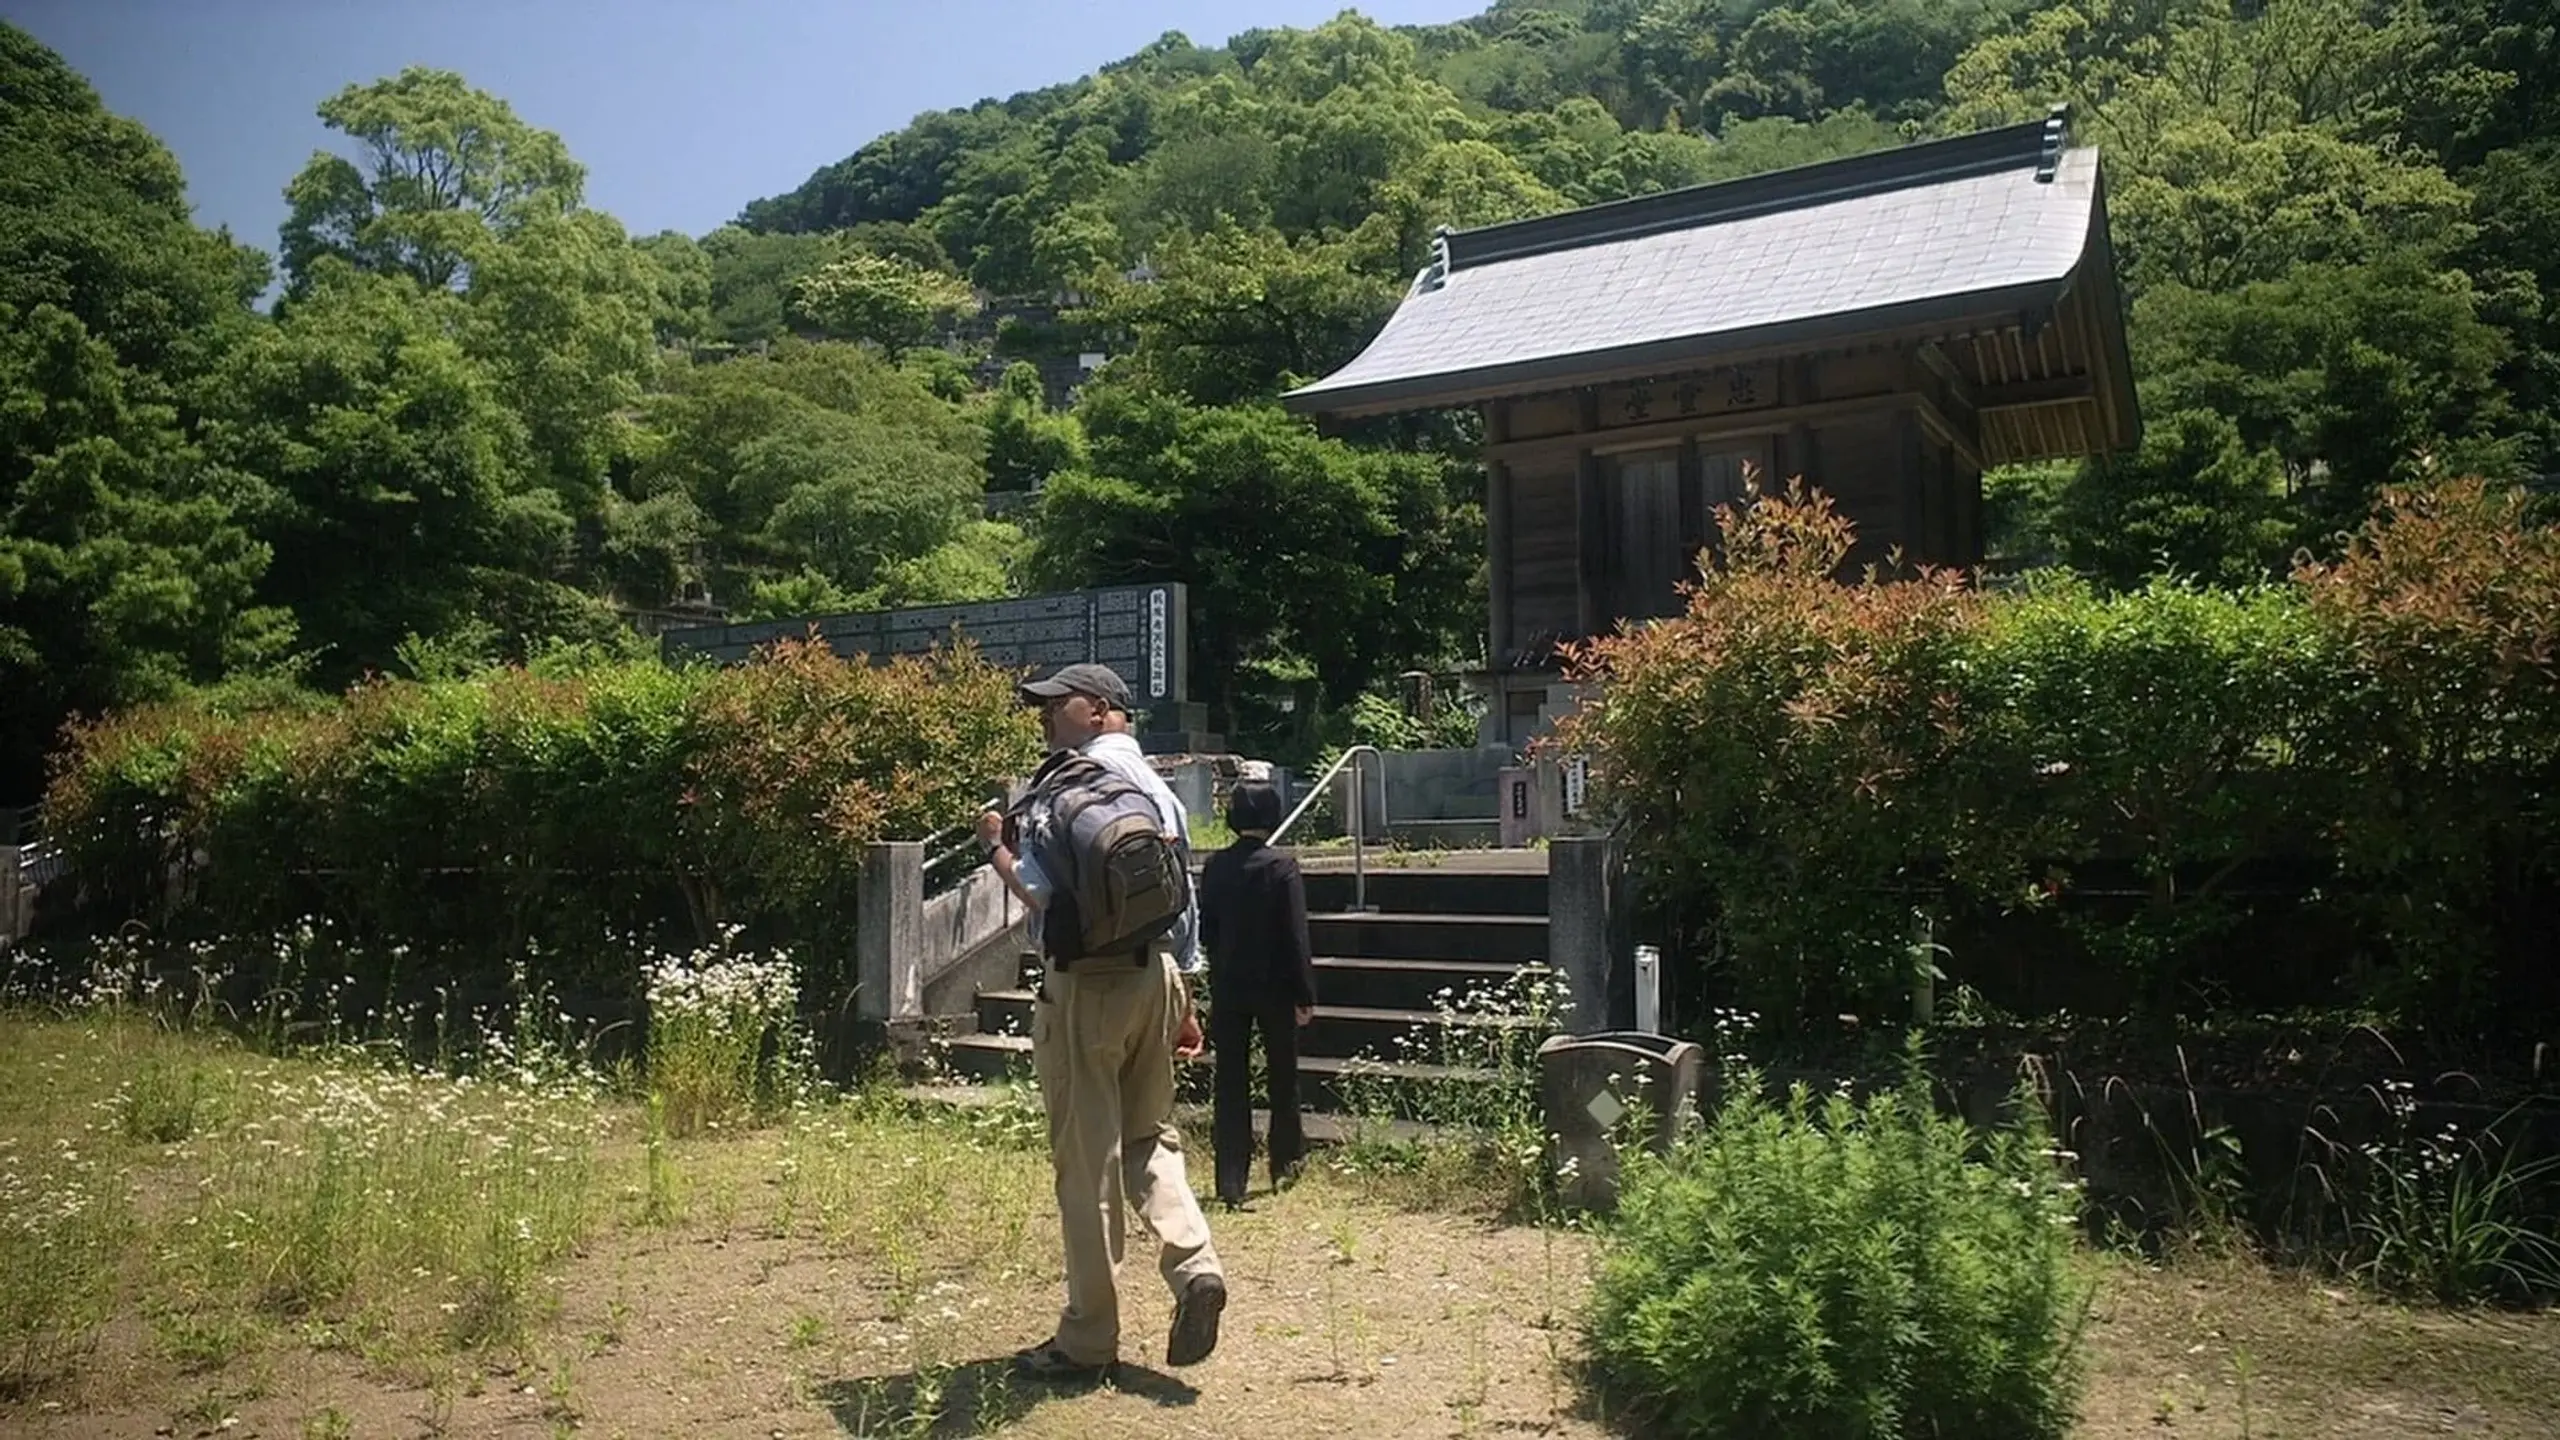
1102,1045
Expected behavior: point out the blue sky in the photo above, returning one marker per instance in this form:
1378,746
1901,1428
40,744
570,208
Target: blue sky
681,110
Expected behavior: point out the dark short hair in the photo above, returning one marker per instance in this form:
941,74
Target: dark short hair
1253,805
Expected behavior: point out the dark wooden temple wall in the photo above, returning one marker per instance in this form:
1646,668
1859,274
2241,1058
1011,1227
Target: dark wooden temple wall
1859,462
1543,543
1601,498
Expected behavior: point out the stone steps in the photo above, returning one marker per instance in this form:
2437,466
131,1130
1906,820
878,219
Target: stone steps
1318,1127
1383,976
1513,940
1320,1077
1336,1030
1459,882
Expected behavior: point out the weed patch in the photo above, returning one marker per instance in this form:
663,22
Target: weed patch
723,1043
1845,1269
1476,1098
2448,1216
421,1194
63,1223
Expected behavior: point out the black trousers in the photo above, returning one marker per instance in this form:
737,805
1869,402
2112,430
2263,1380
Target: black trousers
1231,1029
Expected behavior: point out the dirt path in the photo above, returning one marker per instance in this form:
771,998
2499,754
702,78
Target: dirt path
1347,1320
1350,1320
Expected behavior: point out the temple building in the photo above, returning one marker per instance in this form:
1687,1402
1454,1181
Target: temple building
1886,326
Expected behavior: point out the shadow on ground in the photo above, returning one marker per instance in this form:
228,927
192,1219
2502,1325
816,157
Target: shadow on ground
978,1397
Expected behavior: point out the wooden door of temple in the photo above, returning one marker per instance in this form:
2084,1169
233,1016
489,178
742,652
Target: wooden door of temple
1719,482
1660,514
1645,548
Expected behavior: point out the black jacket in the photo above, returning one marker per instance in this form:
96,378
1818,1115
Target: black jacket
1253,924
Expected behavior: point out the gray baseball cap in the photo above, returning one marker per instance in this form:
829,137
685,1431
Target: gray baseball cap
1101,682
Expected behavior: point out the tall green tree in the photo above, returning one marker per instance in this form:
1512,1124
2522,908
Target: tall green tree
2355,376
984,561
752,277
2516,204
848,499
2502,52
129,559
893,303
679,272
1351,108
819,459
1216,162
1236,315
1026,442
446,171
2195,501
1299,551
897,177
563,314
2239,147
409,504
1460,184
456,193
2302,265
1671,53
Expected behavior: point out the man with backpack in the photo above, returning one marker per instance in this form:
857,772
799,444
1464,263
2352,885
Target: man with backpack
1099,848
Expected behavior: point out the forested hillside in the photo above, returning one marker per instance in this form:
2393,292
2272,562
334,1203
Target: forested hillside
483,418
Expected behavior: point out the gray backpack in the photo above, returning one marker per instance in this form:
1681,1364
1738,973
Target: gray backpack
1117,884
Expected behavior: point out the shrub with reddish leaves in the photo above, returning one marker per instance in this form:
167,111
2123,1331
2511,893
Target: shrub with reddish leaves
1779,745
1829,762
525,809
2447,609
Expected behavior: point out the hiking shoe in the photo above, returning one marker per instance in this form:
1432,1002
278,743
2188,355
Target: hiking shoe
1195,1321
1046,1362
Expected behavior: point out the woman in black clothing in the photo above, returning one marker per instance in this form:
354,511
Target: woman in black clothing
1253,924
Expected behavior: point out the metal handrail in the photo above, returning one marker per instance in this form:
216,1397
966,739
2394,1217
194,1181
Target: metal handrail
948,844
1359,800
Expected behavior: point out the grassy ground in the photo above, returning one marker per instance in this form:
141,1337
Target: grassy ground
249,1246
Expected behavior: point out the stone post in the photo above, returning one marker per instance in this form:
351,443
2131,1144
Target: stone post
1515,789
10,894
888,932
1588,937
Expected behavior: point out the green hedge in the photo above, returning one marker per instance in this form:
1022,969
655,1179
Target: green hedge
2377,741
537,809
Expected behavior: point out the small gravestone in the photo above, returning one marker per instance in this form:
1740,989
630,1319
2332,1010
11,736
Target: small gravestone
1614,1088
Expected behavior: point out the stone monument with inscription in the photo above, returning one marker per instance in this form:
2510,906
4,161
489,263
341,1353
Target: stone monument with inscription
1602,1093
1142,631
